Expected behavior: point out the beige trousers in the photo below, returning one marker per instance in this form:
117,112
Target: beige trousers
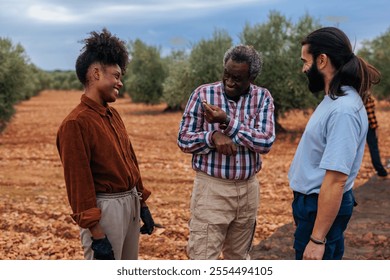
121,223
223,217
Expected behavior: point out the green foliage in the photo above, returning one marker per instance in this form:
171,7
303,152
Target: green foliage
146,73
176,86
64,80
204,65
39,80
278,40
19,80
206,59
11,63
377,53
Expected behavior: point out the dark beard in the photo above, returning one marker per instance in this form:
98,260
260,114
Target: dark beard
316,79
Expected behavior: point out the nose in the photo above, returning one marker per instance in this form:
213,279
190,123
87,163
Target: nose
120,84
230,82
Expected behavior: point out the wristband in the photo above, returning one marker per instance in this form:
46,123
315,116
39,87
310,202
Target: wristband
227,121
316,241
225,124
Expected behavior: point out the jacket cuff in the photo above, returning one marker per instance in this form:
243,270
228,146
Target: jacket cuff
145,194
87,218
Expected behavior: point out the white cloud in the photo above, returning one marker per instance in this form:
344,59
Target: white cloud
176,6
51,13
74,12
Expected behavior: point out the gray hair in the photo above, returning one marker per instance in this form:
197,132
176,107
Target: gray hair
246,54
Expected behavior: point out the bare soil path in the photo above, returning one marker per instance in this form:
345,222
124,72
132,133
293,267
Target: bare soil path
34,211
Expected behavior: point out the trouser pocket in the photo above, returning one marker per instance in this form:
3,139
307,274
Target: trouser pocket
197,243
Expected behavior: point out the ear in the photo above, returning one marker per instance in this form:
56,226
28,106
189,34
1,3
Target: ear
322,61
96,73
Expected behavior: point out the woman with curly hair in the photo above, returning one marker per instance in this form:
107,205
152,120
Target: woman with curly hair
103,181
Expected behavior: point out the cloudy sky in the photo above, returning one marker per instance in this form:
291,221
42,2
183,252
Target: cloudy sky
51,30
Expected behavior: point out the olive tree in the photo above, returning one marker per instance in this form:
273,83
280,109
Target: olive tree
278,41
377,52
146,73
203,65
19,79
176,86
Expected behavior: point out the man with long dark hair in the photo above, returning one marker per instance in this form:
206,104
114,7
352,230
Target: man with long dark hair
331,149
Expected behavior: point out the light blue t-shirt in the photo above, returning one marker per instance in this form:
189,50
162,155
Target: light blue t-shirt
334,139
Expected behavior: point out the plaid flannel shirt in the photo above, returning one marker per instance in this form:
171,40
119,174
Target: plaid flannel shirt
251,128
370,108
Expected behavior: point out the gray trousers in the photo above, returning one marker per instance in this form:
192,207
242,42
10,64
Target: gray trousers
121,223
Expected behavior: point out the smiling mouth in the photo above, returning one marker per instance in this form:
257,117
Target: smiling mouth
228,88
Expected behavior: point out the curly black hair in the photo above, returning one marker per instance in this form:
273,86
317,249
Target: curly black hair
103,48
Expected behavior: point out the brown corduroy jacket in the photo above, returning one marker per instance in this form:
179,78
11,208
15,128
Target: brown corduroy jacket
97,157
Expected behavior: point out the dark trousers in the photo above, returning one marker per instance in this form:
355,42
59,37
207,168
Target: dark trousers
372,142
305,211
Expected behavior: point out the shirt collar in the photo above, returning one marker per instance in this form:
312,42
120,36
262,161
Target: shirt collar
100,109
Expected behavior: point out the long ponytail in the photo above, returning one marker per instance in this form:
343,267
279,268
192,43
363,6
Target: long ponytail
351,70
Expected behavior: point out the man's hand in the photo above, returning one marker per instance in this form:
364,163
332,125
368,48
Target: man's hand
329,201
224,144
314,251
148,221
102,249
213,114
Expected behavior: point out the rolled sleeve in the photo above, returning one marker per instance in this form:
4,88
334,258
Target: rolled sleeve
193,138
88,218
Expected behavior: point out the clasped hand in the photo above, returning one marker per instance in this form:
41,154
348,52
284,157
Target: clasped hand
213,114
224,144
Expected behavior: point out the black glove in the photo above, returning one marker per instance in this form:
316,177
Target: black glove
102,249
146,217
